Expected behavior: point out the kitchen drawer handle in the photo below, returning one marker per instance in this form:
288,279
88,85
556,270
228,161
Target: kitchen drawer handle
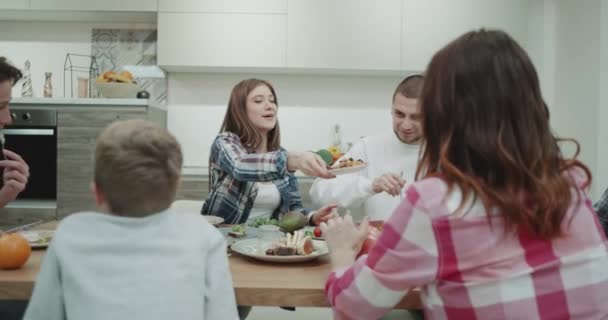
29,132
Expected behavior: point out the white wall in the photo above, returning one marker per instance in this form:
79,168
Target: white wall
563,42
46,44
601,174
575,111
541,44
309,106
568,43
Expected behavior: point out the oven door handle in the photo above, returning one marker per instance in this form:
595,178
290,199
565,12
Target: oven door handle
29,132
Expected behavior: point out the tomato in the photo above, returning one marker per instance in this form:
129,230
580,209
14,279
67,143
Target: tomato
370,241
317,232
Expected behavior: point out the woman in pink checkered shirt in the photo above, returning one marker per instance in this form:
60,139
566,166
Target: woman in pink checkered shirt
498,225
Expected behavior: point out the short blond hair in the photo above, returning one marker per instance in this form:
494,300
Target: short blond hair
137,167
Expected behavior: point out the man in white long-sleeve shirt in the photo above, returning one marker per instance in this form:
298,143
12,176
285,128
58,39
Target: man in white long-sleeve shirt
135,259
391,161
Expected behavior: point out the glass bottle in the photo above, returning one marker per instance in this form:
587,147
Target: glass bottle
337,143
48,85
26,89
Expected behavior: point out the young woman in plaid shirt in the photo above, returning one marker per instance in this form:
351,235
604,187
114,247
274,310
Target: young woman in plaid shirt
499,225
251,176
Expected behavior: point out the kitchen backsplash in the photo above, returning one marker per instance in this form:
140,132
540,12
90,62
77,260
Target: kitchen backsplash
115,48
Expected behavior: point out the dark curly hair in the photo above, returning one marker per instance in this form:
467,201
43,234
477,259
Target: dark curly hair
9,72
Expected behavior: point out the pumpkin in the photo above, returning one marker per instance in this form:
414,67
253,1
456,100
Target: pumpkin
14,251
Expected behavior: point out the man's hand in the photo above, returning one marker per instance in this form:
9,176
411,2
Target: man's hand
389,183
15,176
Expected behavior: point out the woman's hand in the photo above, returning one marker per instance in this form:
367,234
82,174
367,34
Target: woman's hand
309,163
389,183
324,214
344,239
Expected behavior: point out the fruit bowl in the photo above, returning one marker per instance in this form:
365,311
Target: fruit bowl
117,89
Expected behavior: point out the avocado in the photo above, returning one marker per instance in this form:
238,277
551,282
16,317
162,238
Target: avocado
293,221
326,155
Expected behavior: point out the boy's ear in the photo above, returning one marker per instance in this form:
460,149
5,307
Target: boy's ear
100,198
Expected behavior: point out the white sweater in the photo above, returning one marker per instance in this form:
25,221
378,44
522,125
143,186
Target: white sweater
383,154
164,266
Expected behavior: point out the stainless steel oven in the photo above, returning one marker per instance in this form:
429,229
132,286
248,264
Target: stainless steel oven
33,135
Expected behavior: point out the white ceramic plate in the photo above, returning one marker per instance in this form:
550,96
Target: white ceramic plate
214,220
339,171
38,238
256,249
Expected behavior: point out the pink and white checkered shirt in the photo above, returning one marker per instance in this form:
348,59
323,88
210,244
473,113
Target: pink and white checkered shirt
469,269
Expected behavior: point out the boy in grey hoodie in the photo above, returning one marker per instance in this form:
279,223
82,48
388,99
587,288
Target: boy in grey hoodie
135,258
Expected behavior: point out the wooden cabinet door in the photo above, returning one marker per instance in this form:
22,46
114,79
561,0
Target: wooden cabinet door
95,5
428,25
77,133
344,34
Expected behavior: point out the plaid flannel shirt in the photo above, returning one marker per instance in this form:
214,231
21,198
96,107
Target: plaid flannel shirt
470,269
234,173
601,207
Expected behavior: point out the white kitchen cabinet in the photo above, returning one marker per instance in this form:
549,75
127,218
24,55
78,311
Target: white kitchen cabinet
428,25
223,6
344,34
95,5
14,4
188,40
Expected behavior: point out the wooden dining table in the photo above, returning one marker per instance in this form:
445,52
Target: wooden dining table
256,283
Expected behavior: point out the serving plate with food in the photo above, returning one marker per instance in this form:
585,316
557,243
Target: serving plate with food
336,162
290,222
214,220
344,166
237,230
291,248
37,239
240,230
257,222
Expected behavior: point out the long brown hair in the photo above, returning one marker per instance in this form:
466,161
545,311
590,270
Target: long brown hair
486,130
237,121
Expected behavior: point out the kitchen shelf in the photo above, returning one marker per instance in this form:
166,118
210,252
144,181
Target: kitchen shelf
79,101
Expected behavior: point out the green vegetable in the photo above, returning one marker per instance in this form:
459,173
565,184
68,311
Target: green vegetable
326,156
263,221
293,221
309,233
239,228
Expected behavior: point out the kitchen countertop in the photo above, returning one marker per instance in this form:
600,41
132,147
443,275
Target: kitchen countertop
79,101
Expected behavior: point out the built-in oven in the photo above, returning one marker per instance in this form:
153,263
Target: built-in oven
33,135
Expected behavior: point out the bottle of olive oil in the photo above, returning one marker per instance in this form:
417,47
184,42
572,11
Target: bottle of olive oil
336,147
